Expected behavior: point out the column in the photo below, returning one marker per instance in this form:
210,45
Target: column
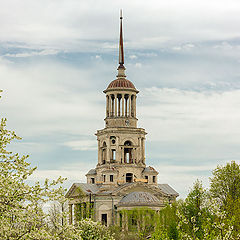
107,107
115,100
112,110
110,106
122,105
99,153
107,152
118,219
129,105
134,155
143,150
139,149
87,209
134,106
126,221
126,106
122,155
70,213
119,106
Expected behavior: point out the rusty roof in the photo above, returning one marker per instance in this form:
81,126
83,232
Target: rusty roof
121,83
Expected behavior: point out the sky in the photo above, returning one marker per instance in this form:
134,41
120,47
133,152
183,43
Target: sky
57,56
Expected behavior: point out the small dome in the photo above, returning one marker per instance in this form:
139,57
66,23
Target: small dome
92,172
149,170
121,83
139,199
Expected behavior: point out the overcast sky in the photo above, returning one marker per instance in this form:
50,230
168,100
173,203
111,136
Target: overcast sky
57,56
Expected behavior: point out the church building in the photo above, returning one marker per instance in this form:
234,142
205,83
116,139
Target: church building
121,179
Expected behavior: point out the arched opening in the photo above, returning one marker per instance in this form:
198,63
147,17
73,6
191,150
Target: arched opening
129,177
104,152
112,105
113,156
119,97
132,106
128,152
126,97
107,103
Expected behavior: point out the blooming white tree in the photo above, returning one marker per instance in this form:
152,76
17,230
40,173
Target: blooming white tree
21,213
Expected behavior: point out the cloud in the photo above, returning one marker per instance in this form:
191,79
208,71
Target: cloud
98,57
33,53
77,25
82,145
133,57
186,46
45,97
77,175
186,114
138,65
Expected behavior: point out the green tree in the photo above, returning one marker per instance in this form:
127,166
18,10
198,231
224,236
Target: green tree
166,223
225,189
225,183
192,212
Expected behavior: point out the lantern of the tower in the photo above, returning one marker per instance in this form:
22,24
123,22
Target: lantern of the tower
121,95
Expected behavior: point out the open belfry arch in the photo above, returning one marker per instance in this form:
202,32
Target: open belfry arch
121,179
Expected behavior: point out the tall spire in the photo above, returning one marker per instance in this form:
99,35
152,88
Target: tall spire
121,68
121,54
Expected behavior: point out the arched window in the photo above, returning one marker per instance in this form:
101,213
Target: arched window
126,97
104,152
128,152
127,143
119,98
112,105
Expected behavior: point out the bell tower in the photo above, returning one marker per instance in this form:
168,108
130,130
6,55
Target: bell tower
121,144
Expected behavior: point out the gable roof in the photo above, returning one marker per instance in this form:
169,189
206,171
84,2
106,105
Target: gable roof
87,188
168,190
125,188
150,169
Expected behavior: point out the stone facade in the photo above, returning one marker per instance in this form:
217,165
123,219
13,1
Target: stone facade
121,179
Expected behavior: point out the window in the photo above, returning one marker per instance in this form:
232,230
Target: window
104,219
111,178
129,177
113,139
104,156
113,155
146,177
120,219
104,178
128,152
92,180
104,147
127,157
154,179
